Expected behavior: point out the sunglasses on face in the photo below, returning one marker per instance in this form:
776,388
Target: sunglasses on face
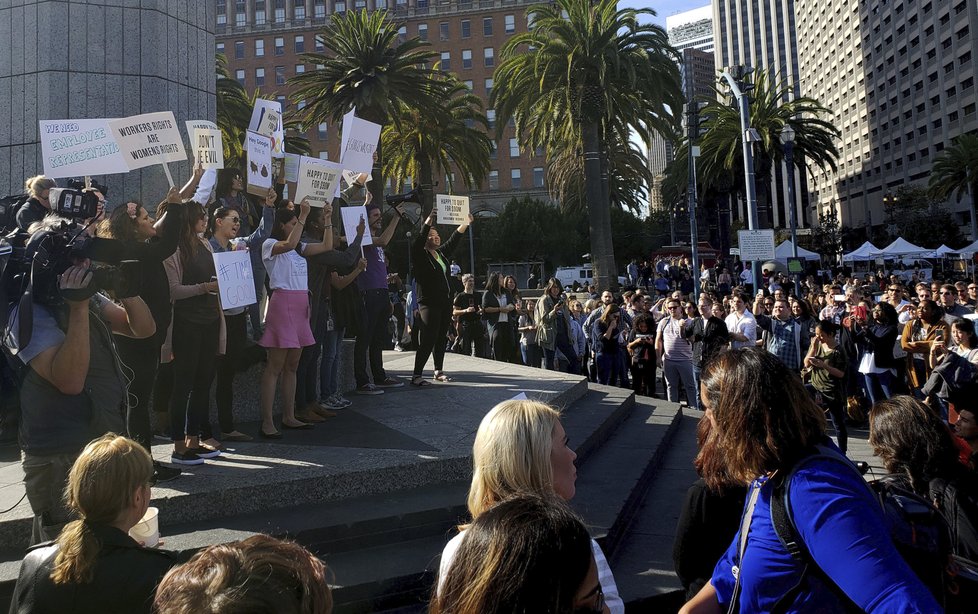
234,219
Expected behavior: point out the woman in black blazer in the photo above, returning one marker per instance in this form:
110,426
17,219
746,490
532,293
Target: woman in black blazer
431,273
499,306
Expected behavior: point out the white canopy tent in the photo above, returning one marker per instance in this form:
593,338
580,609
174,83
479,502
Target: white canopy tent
968,250
944,251
901,248
861,253
783,252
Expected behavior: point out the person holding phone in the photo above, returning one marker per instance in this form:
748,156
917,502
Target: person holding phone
468,310
554,329
918,337
825,370
875,338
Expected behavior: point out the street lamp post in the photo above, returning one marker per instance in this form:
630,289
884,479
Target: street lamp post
692,117
750,187
788,140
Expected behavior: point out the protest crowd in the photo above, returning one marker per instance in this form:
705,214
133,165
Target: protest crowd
92,356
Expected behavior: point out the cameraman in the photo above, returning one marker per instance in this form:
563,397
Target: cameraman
37,206
74,389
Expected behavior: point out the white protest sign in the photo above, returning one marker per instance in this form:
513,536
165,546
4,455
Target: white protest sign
358,144
148,139
452,209
351,219
317,180
201,124
266,119
756,244
350,176
259,150
292,167
79,147
235,279
208,148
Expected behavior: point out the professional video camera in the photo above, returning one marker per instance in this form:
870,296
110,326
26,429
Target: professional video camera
76,201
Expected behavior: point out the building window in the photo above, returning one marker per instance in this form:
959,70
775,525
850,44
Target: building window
279,11
300,68
259,47
260,12
402,34
515,179
466,28
468,83
493,150
514,149
318,43
220,48
491,118
322,131
300,44
240,76
446,60
493,180
319,9
538,176
489,84
281,100
359,4
443,30
279,75
489,57
466,58
279,45
339,7
222,13
238,49
300,11
423,31
487,26
240,16
259,77
510,23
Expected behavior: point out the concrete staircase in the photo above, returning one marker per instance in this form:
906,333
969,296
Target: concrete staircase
379,490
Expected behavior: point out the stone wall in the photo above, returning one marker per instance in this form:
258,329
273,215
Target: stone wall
79,59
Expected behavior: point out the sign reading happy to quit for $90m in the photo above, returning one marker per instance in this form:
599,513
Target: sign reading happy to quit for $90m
452,209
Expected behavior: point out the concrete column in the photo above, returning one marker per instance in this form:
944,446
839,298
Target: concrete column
74,77
289,11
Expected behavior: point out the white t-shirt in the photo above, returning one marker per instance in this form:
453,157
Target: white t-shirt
503,316
605,578
286,271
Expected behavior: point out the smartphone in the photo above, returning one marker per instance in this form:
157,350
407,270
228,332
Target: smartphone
939,335
839,298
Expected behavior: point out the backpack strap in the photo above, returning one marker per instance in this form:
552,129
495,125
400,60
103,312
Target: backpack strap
787,531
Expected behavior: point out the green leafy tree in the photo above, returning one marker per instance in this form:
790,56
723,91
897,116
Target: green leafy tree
594,71
365,65
955,172
827,235
531,229
772,107
432,141
915,215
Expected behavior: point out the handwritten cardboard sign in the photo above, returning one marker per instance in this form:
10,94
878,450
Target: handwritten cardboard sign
452,209
259,148
208,148
351,219
317,180
148,139
266,119
358,144
235,279
78,147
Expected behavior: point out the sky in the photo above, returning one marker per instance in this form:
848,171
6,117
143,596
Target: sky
664,8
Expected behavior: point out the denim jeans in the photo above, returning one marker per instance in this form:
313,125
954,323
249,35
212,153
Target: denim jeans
608,367
329,367
372,337
879,386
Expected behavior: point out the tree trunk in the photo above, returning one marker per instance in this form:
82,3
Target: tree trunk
599,216
426,180
377,184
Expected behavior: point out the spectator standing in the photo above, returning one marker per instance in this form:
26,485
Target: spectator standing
467,307
741,325
875,338
37,205
827,364
782,334
431,277
948,300
532,354
554,331
604,339
919,335
675,353
709,337
641,348
499,307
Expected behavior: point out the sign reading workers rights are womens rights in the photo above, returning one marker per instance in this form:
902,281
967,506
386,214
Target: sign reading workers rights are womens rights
148,139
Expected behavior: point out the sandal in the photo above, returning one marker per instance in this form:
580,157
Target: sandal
419,382
442,377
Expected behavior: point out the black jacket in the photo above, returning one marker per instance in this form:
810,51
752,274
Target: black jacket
30,212
433,285
878,339
126,576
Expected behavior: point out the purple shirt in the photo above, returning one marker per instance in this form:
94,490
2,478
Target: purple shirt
375,276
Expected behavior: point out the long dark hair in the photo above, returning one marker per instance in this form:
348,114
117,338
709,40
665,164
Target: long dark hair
189,242
494,285
282,217
119,224
217,214
225,178
912,440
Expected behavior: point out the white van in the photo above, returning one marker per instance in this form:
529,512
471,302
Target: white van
582,274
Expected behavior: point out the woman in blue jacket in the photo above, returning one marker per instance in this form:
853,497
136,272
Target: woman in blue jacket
764,425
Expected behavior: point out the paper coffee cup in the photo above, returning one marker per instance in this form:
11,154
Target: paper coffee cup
147,530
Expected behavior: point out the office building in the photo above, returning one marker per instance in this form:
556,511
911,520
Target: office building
692,28
762,35
900,77
263,41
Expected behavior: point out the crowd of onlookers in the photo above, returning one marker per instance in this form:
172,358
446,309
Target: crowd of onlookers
780,521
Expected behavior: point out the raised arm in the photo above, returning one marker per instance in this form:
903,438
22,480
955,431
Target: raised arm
327,243
290,243
191,186
386,236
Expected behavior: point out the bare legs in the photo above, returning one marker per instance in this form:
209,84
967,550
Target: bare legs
281,362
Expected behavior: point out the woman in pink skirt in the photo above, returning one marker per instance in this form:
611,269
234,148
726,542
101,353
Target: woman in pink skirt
287,328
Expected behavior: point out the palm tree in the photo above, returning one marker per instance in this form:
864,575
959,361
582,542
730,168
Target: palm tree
955,173
433,140
772,107
594,72
365,66
234,107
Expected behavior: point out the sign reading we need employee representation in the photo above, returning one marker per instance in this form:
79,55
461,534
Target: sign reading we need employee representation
79,147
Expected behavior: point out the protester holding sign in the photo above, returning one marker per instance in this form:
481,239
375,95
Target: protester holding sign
287,328
224,227
431,273
196,339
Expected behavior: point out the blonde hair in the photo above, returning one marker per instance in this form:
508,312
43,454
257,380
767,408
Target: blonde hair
100,487
511,453
37,184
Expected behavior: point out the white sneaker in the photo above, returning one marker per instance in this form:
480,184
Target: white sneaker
342,401
331,403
